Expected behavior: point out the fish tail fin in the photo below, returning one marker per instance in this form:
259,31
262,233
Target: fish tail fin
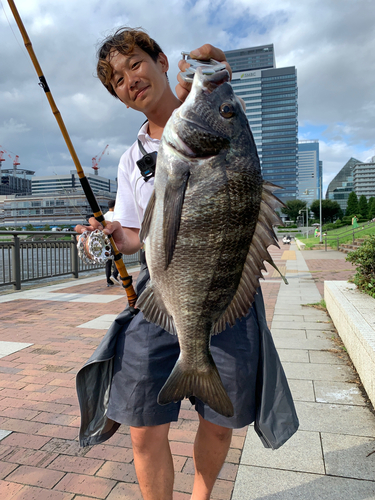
206,385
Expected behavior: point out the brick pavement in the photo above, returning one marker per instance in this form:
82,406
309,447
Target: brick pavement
329,270
40,458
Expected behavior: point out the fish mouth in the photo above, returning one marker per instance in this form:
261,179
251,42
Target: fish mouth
176,143
211,82
182,118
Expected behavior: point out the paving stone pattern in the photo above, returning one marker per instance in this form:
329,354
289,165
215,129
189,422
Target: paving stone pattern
39,416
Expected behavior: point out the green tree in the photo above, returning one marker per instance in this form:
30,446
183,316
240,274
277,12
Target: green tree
30,227
363,206
292,208
352,206
47,227
371,208
331,210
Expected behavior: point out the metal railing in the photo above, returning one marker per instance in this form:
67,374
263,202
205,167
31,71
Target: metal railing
352,231
36,255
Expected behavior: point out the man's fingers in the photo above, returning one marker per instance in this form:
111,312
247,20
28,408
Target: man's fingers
208,51
81,229
205,52
183,65
181,92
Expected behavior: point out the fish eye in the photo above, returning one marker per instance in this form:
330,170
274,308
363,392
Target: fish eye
226,110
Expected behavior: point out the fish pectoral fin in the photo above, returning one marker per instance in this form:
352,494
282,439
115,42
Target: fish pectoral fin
271,262
263,237
146,223
153,308
173,203
206,385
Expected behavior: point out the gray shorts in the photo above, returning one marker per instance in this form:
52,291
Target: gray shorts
146,355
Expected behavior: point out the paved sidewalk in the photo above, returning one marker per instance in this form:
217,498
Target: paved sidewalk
47,333
332,456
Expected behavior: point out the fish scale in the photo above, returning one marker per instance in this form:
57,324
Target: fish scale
208,226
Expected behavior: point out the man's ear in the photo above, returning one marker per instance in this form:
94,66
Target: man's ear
162,58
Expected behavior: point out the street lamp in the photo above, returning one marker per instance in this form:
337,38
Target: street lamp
320,210
307,217
306,192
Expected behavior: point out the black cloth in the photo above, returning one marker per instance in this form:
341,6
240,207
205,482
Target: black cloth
273,408
146,355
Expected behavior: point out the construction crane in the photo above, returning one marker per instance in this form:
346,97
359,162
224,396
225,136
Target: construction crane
3,151
1,157
16,162
95,162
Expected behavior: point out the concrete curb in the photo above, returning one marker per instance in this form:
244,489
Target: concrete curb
353,314
300,245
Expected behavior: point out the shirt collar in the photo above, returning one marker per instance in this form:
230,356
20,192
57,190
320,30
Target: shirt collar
143,135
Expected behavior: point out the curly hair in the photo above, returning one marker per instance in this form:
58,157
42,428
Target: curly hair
123,41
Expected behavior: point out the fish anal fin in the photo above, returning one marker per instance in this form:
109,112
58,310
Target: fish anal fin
146,223
263,237
173,203
153,308
206,385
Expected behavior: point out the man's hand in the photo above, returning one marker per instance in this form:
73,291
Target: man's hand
205,52
126,238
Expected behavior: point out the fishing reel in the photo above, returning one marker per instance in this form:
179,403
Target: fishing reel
94,247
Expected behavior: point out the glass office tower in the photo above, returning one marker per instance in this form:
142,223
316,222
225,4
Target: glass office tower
270,95
309,171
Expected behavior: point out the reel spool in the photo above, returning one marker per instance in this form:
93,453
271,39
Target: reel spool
94,247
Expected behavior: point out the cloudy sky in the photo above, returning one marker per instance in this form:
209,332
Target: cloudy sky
331,43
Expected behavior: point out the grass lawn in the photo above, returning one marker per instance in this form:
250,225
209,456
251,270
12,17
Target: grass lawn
344,234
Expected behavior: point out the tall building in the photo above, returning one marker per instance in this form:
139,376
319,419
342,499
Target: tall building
309,171
342,185
42,185
251,58
52,209
15,180
270,95
364,178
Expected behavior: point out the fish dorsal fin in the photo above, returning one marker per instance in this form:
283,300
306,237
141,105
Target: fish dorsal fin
146,223
153,308
263,237
173,203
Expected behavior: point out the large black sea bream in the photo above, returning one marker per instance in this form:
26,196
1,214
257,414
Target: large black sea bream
208,226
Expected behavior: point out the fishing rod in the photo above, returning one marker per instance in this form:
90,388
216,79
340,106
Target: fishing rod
98,214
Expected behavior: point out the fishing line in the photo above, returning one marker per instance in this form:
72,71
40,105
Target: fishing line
125,278
43,126
22,47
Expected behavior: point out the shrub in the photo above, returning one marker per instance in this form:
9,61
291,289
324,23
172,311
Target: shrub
364,259
333,225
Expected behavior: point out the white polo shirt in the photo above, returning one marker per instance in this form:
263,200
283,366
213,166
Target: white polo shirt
133,192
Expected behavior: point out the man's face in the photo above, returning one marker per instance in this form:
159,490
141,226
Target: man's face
138,81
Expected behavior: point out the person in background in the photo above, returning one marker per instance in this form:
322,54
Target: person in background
112,278
355,222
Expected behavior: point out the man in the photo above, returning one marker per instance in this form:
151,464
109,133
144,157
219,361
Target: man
112,279
133,68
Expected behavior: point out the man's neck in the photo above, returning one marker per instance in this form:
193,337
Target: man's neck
158,119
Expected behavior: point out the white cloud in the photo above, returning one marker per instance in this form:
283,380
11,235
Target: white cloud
330,43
